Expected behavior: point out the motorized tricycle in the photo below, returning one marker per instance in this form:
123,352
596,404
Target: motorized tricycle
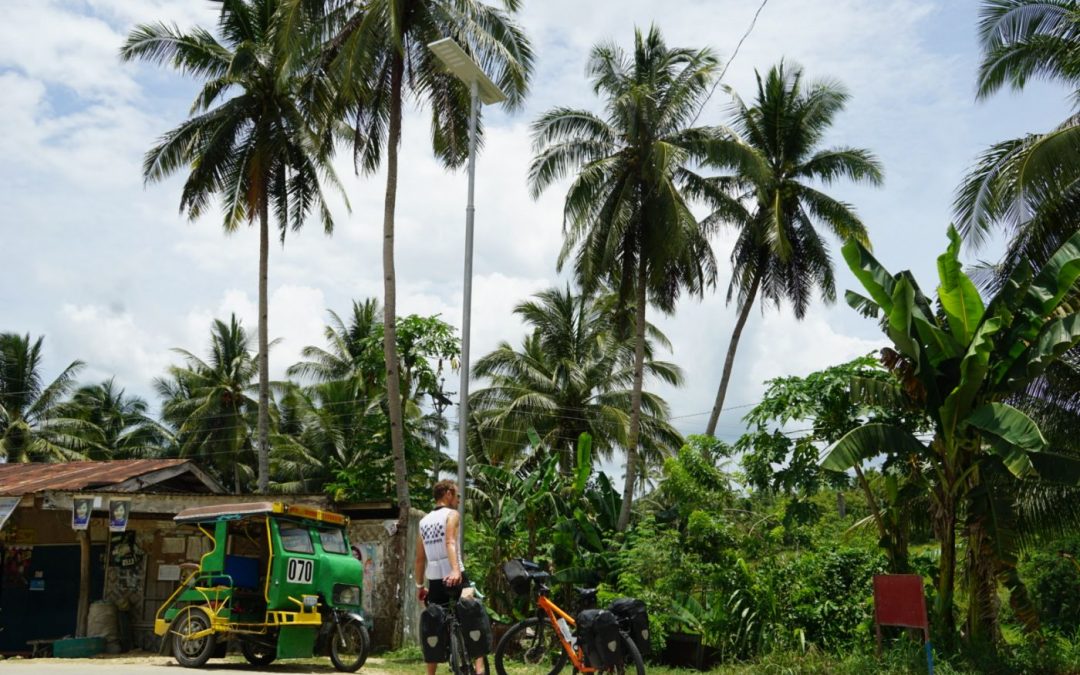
279,579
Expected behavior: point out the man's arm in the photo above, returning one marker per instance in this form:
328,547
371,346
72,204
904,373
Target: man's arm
420,568
452,523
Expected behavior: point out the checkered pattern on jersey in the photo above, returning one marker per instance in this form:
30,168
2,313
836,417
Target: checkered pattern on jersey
433,533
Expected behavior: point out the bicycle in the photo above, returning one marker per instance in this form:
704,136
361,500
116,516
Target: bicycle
538,644
458,655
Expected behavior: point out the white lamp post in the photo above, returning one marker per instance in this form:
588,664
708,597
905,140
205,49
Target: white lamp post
481,89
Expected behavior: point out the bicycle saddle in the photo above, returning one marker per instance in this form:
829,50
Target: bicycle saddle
585,593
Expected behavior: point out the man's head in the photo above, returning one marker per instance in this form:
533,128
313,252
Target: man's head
445,492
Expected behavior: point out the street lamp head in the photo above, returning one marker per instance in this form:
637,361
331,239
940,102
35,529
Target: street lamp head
466,69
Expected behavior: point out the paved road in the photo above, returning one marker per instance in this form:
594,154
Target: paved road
158,666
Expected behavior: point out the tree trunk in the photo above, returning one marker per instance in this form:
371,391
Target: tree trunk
635,399
871,502
396,564
264,342
947,563
82,614
721,393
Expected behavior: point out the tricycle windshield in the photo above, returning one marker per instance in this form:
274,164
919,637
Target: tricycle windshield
333,541
295,538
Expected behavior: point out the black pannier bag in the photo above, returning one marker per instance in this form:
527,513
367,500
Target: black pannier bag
434,634
634,620
599,637
475,626
517,575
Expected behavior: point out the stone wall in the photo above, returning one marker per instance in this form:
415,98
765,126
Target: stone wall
384,588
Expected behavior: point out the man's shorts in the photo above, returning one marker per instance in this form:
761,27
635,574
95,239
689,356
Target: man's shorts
441,594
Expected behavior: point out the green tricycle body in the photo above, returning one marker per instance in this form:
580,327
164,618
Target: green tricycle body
279,579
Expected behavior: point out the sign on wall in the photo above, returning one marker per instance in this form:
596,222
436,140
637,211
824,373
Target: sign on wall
119,510
81,508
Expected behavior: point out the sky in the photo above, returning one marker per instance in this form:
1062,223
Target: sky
110,273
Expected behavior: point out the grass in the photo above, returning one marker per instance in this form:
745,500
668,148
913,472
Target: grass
409,660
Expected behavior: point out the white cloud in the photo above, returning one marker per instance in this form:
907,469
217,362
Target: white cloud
87,236
112,343
63,48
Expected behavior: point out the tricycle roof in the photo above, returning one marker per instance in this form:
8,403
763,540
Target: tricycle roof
205,514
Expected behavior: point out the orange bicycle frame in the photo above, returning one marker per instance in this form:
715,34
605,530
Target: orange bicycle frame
554,613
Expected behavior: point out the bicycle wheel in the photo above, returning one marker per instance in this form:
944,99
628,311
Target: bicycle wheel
460,664
530,646
632,662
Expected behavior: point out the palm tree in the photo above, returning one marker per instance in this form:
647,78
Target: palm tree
32,426
250,140
353,351
626,221
377,53
350,372
774,152
1026,186
208,403
332,421
571,375
122,429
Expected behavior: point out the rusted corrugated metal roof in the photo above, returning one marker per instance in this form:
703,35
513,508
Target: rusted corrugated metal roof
28,478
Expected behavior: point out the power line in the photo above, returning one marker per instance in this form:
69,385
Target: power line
746,34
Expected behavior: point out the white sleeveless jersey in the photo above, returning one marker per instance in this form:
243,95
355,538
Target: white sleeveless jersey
433,534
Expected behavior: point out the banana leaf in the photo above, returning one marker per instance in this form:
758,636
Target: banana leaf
867,441
959,298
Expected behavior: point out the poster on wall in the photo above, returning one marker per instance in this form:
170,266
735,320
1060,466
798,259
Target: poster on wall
16,566
368,556
119,510
124,551
81,509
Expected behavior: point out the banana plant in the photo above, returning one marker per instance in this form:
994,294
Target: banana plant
965,361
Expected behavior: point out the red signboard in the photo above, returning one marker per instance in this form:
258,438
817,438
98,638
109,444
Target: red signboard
899,601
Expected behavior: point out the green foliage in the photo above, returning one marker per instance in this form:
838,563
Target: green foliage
1055,583
572,374
627,220
960,366
31,430
828,595
208,404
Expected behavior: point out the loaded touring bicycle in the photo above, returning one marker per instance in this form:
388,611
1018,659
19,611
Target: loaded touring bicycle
279,579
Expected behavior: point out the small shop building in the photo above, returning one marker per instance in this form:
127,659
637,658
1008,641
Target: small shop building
76,533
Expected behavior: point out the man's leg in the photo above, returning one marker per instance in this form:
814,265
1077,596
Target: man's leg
431,668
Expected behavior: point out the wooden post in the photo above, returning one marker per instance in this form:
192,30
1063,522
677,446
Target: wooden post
83,611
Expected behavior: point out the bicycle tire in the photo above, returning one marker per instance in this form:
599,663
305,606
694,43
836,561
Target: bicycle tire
460,664
631,655
520,652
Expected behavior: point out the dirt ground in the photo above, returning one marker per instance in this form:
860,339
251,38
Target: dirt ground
161,665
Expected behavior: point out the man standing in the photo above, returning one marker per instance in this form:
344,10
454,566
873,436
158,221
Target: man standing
437,558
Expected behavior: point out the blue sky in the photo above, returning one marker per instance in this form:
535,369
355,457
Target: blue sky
106,269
